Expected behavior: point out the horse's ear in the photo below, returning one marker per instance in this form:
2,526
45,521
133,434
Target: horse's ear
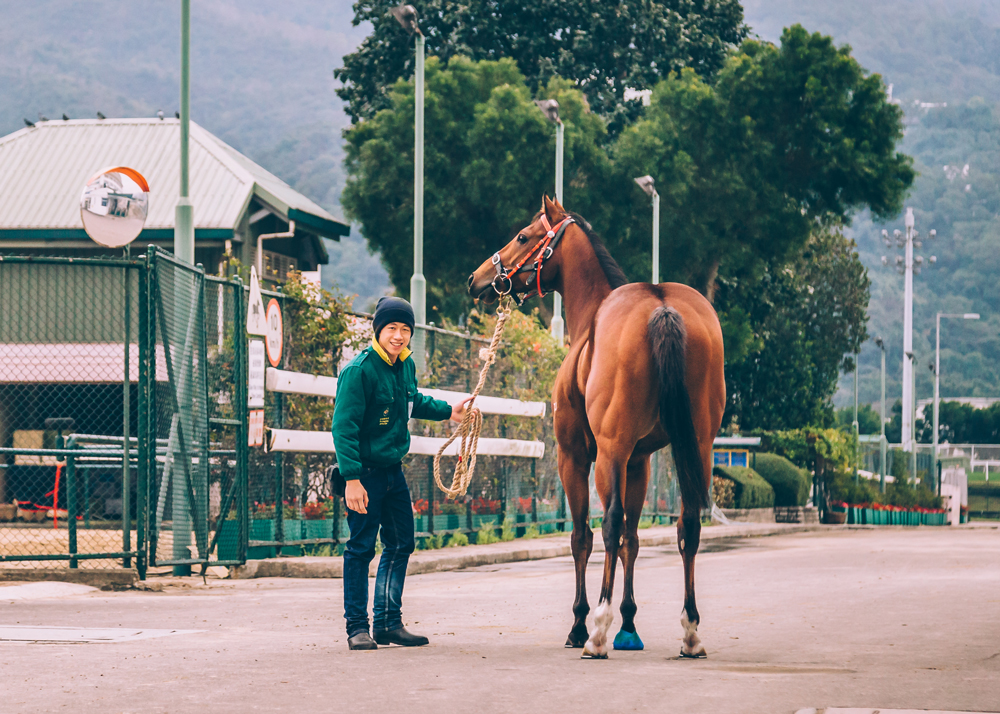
553,211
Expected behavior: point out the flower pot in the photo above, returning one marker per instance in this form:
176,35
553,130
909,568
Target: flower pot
293,531
446,522
228,544
321,528
835,518
261,530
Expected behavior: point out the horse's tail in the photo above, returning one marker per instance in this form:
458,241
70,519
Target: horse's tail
669,341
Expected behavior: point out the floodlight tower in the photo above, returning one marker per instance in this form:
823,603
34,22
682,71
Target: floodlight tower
908,265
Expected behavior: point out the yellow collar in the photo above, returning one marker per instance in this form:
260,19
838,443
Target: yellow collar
385,355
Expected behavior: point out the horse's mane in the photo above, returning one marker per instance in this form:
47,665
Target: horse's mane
612,271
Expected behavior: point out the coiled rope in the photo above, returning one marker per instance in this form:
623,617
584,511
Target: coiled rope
472,421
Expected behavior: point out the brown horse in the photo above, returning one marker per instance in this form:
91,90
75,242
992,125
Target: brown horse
644,370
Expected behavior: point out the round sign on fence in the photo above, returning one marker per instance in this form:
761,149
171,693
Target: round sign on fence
274,339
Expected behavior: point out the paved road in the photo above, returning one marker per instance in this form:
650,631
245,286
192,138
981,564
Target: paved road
894,618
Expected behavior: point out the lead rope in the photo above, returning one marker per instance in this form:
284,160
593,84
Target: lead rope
472,422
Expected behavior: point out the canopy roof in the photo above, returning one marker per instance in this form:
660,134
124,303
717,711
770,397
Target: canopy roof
43,170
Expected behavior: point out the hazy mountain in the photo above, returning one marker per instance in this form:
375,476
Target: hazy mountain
262,80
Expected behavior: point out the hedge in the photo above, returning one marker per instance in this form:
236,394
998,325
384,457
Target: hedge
790,483
752,491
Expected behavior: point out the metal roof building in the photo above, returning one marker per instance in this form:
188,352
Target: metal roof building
43,170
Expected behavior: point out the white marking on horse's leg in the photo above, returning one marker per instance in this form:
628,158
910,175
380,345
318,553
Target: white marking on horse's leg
597,645
692,646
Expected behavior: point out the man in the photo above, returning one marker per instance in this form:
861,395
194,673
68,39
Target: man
376,396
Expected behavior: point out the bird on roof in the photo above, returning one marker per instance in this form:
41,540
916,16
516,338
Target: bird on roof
29,123
160,114
41,118
177,115
101,116
65,118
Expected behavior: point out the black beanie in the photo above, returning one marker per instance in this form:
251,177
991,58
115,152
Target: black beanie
392,309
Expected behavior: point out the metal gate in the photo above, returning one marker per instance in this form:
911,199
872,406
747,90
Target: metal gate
123,414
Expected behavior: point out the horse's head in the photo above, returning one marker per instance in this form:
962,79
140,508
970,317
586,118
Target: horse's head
525,264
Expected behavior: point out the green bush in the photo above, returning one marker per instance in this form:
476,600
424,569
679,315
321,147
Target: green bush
751,490
790,483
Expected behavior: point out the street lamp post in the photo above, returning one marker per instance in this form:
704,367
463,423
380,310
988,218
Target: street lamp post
882,442
937,381
646,184
406,15
184,211
550,107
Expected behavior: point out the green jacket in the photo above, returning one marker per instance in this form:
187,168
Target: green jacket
375,400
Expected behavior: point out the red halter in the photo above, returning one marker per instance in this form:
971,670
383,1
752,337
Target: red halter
541,253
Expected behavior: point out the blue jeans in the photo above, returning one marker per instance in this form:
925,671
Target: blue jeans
390,510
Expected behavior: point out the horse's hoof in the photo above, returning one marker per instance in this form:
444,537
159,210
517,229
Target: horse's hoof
627,641
576,640
589,653
694,654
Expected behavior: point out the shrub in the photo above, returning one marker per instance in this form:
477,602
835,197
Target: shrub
790,483
487,534
751,491
723,492
457,540
507,532
531,532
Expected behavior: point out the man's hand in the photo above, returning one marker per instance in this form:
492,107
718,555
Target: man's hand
356,496
458,411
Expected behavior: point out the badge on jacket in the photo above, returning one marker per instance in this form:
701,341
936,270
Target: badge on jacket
384,419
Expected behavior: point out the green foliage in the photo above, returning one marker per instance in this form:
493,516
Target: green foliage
837,447
868,419
457,540
796,322
790,483
507,532
486,534
531,532
963,424
488,159
603,48
750,490
434,542
786,137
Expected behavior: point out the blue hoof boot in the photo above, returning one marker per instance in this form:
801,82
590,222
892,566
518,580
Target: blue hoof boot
627,641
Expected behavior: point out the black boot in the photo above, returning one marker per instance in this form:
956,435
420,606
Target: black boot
361,641
400,637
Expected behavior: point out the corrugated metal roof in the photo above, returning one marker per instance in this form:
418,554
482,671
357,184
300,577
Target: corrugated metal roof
43,170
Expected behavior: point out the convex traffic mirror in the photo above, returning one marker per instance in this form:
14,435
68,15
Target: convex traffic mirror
114,206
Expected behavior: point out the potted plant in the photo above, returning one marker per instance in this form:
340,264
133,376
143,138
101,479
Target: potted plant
836,513
318,521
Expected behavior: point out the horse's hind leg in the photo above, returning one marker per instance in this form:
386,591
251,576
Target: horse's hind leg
635,495
576,484
688,538
609,477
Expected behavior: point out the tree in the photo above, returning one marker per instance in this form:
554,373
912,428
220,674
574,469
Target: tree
488,159
787,139
868,419
604,48
797,320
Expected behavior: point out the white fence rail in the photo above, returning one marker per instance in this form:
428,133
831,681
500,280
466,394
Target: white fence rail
321,442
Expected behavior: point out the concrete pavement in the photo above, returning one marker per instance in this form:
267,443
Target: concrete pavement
870,619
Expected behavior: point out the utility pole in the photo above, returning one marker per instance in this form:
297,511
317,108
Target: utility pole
184,211
882,443
646,183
